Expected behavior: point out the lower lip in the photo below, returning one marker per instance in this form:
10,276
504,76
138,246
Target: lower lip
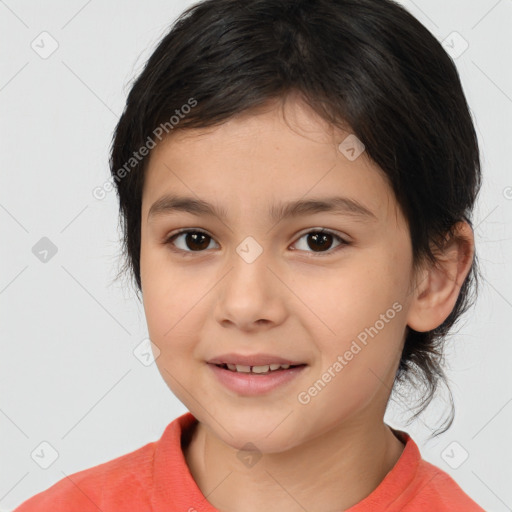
255,384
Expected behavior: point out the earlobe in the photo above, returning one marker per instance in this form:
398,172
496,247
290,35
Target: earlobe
438,286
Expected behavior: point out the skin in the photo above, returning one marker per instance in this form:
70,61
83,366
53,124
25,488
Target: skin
291,301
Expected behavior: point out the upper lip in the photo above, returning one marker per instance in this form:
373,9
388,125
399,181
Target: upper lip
252,360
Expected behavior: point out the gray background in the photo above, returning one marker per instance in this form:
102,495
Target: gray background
69,375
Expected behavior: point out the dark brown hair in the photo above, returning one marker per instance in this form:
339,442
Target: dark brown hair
368,64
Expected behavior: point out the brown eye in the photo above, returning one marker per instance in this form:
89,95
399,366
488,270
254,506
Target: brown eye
190,241
321,241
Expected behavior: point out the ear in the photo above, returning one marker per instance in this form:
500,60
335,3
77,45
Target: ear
437,287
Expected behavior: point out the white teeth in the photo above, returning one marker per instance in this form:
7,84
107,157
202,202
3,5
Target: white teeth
261,369
256,369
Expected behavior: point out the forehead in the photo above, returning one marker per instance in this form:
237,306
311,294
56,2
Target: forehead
259,159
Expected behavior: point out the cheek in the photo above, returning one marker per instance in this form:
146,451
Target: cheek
171,327
360,317
358,361
346,300
165,298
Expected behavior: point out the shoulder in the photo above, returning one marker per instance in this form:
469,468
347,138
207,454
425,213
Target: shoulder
433,488
117,483
415,485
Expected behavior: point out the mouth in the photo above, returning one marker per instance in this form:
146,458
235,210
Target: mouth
257,370
245,380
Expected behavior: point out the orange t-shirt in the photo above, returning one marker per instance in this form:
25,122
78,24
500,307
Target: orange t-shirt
156,478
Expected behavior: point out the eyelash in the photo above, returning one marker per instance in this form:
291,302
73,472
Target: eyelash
170,241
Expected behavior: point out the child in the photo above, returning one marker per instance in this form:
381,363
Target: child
296,180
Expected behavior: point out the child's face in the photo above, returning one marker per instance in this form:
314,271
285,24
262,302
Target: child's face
298,300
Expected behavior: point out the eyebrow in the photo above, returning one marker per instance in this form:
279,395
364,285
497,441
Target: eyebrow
169,204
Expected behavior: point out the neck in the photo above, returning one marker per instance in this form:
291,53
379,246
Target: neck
333,471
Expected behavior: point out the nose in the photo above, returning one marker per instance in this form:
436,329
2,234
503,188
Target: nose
252,295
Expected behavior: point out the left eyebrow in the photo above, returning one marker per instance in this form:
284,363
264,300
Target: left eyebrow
169,204
335,205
